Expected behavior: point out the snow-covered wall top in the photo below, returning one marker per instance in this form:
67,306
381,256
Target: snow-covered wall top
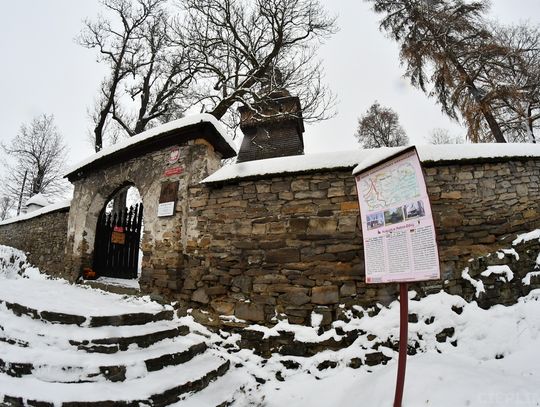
47,209
365,158
290,164
155,133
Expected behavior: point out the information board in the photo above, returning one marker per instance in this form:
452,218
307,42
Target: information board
397,224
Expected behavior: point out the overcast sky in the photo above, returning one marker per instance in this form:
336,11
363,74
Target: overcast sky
44,71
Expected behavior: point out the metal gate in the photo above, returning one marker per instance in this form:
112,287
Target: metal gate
116,249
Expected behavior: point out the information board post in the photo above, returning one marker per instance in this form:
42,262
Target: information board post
398,231
403,340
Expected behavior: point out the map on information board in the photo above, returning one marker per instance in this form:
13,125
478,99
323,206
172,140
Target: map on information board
390,186
397,224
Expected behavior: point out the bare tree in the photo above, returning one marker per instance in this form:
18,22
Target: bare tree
39,150
217,54
443,136
446,43
379,127
160,83
247,50
518,74
6,205
119,46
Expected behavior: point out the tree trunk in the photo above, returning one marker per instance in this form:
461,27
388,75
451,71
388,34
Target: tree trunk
484,107
492,123
530,129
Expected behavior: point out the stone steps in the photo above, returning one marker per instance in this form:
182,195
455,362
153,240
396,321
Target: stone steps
77,368
219,393
116,344
57,358
141,318
110,338
160,388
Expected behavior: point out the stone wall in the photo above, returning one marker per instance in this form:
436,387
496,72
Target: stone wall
292,244
479,208
43,237
287,245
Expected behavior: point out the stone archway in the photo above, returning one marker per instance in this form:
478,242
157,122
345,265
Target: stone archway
180,154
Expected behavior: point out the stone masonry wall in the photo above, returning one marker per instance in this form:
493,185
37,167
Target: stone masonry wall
292,244
286,245
42,237
479,208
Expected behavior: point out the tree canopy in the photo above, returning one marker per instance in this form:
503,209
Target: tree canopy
446,44
379,127
212,55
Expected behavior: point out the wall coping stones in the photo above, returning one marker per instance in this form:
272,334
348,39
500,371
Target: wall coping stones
287,165
430,155
62,206
178,131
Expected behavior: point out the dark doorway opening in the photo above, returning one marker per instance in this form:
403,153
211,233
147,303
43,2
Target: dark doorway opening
118,236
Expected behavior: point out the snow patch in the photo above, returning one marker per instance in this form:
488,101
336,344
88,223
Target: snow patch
526,237
316,319
511,252
527,279
501,269
301,333
479,285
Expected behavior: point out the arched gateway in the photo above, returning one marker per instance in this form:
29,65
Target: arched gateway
161,163
118,235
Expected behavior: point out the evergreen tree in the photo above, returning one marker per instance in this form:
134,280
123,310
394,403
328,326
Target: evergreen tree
445,43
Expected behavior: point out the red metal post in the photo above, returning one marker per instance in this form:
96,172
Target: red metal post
403,338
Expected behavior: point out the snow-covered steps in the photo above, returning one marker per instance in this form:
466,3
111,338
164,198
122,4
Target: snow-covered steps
220,393
136,318
75,366
159,388
72,346
115,344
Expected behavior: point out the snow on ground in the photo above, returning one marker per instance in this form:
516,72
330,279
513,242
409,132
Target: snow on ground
490,359
19,279
495,361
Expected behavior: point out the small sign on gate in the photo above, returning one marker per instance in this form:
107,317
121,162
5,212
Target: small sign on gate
118,237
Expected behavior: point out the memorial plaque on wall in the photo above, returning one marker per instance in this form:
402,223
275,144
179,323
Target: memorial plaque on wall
167,198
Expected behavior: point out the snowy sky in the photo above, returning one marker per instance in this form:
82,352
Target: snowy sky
45,71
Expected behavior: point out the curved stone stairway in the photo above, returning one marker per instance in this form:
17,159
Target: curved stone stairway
51,358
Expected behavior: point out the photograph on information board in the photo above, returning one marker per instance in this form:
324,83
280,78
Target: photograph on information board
397,224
